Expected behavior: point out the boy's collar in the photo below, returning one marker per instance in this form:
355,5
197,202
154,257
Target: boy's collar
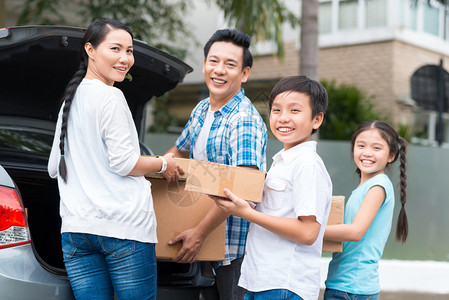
290,154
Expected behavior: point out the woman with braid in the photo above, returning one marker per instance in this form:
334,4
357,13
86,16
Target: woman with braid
353,273
108,221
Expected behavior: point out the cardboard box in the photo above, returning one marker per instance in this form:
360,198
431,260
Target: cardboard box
177,210
211,178
336,216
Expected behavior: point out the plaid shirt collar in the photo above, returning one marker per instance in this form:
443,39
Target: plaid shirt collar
226,109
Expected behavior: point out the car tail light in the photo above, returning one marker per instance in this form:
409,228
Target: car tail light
13,223
4,32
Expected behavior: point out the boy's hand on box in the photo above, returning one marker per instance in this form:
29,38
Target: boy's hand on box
233,204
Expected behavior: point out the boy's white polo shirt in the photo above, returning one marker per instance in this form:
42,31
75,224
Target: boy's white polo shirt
297,184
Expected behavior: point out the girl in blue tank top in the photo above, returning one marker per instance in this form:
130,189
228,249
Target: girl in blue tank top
353,273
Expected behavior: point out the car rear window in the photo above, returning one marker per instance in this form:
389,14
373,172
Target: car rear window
12,139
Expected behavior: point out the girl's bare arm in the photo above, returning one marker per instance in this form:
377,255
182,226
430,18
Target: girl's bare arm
362,220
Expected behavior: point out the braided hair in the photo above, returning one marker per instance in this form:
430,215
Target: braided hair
95,34
398,148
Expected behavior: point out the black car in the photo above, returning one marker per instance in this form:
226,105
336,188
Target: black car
36,63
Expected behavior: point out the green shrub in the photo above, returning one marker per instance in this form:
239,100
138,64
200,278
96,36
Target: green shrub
348,107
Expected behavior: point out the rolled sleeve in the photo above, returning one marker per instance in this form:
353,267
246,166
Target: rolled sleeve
248,143
183,141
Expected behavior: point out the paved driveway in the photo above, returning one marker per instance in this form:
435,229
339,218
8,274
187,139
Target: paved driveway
406,296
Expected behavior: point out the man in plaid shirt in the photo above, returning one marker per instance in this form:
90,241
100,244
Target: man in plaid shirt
224,128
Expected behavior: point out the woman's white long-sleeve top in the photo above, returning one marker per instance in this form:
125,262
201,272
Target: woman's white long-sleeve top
101,149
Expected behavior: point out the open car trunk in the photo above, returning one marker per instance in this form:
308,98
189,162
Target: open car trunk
38,61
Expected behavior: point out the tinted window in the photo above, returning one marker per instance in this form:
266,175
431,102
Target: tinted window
25,141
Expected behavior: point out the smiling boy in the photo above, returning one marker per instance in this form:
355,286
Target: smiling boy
286,233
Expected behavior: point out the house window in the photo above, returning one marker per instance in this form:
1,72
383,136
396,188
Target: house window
347,14
446,24
431,20
376,13
335,15
428,17
325,17
346,21
413,16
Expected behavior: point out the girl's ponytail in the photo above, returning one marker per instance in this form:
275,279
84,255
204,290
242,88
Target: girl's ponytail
67,99
402,224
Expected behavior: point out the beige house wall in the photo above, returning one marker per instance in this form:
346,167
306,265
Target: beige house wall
381,69
407,59
368,66
266,67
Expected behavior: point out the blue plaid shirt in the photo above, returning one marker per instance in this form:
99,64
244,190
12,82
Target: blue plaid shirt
238,136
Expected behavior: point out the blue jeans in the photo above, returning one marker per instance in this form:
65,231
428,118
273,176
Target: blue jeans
98,265
330,294
278,294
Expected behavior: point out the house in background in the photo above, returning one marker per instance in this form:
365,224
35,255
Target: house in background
376,45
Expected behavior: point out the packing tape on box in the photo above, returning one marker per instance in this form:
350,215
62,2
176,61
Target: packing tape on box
227,181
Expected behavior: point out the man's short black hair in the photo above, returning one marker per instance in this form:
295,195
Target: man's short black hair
235,37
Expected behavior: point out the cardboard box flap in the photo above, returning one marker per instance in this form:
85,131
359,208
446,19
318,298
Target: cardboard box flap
211,178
